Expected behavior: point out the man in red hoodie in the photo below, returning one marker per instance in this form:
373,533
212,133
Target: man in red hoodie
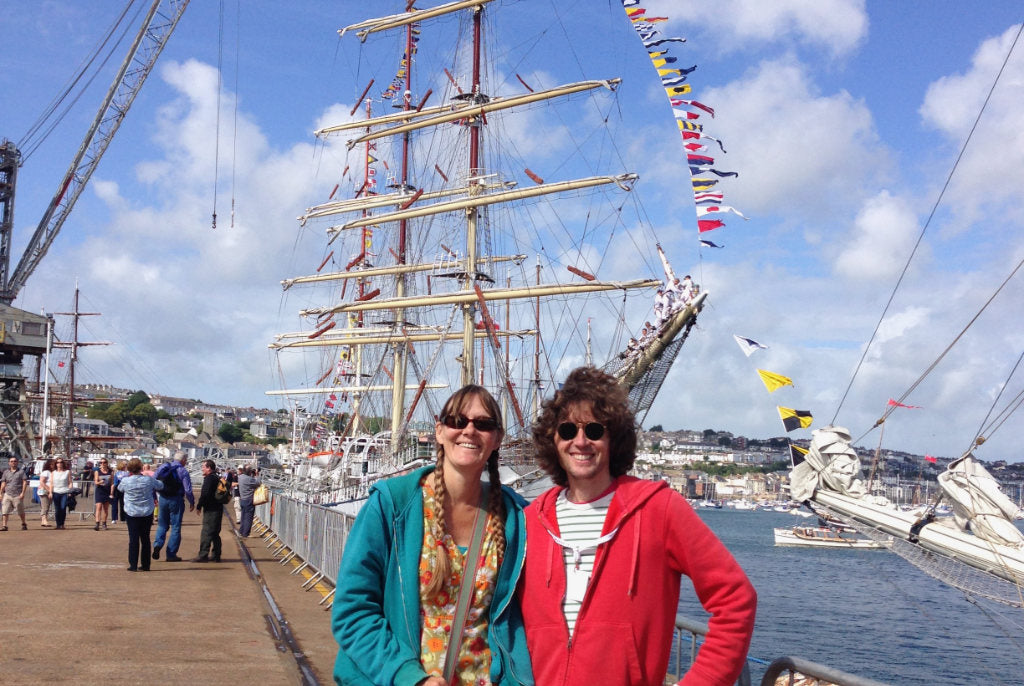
606,551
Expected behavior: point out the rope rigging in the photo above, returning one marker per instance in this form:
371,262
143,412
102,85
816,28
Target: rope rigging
920,237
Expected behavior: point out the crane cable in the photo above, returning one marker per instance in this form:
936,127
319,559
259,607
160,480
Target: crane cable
216,131
36,135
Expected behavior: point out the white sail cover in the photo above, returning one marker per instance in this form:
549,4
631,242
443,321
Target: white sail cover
830,462
978,504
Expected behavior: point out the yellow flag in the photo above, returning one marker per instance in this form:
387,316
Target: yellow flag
773,381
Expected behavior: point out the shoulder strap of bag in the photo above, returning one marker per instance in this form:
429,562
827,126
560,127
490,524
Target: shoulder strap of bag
465,591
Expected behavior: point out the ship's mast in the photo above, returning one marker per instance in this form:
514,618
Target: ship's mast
400,359
474,123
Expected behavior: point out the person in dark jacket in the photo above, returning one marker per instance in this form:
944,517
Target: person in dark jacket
212,512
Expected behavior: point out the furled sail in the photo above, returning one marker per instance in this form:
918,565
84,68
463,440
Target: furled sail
981,553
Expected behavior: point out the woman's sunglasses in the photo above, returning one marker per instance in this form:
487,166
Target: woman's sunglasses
592,430
484,424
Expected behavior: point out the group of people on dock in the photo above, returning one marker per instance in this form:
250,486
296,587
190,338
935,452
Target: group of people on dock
136,495
447,578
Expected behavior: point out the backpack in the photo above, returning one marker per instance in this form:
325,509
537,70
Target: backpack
223,493
172,484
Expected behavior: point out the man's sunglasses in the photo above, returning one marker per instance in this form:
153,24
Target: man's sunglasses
483,424
592,430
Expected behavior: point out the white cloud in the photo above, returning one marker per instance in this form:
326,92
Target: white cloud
801,153
837,26
988,178
880,241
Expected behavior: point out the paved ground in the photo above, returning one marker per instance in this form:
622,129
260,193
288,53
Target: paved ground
72,613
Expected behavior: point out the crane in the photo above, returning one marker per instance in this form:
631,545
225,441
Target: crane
23,333
149,42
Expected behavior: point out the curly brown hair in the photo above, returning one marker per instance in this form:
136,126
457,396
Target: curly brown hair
609,403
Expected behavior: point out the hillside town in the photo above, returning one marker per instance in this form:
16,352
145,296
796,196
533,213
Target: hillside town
704,465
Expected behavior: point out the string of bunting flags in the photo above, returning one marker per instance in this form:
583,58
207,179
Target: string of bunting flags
687,112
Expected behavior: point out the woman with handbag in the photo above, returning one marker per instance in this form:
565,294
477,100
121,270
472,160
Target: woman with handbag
60,486
103,478
436,554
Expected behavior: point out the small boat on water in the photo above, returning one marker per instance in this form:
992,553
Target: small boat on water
823,537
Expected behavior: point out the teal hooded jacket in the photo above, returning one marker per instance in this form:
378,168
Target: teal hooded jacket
376,613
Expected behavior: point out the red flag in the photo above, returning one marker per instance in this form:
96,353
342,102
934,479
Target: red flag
708,224
929,458
893,403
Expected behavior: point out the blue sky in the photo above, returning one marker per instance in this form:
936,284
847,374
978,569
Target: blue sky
843,119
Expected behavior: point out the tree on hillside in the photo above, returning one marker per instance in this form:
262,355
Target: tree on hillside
136,399
656,427
142,416
230,433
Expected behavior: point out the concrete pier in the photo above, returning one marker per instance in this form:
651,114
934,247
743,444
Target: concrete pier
72,613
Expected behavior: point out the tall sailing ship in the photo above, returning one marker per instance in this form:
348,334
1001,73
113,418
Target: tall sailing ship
456,252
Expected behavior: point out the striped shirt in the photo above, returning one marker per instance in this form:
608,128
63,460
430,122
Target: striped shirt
580,525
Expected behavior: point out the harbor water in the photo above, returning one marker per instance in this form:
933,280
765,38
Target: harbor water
866,612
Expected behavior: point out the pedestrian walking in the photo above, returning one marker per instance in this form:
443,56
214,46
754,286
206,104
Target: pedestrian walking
45,493
139,499
14,482
60,485
177,486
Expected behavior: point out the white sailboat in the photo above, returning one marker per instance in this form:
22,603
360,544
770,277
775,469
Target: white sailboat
446,260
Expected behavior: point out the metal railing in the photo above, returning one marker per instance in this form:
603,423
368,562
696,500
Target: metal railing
695,629
814,670
312,533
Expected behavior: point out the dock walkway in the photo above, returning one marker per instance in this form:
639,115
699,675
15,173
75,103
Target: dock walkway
74,614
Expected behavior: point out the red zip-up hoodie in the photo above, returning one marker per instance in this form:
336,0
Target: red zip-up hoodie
623,633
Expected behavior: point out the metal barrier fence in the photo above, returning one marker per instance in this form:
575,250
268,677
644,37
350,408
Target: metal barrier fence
312,533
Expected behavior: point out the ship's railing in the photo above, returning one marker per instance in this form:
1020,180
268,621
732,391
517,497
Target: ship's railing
313,534
823,674
677,667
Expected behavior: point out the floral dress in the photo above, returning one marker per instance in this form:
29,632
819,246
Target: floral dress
438,613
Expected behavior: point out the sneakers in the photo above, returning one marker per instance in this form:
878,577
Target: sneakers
201,558
172,558
104,526
3,528
97,527
156,552
24,526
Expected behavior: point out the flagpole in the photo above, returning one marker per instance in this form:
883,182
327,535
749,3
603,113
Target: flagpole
46,387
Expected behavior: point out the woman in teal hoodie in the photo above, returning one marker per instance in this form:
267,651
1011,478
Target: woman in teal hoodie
402,568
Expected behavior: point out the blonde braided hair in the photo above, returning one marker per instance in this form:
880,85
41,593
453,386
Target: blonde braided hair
439,564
